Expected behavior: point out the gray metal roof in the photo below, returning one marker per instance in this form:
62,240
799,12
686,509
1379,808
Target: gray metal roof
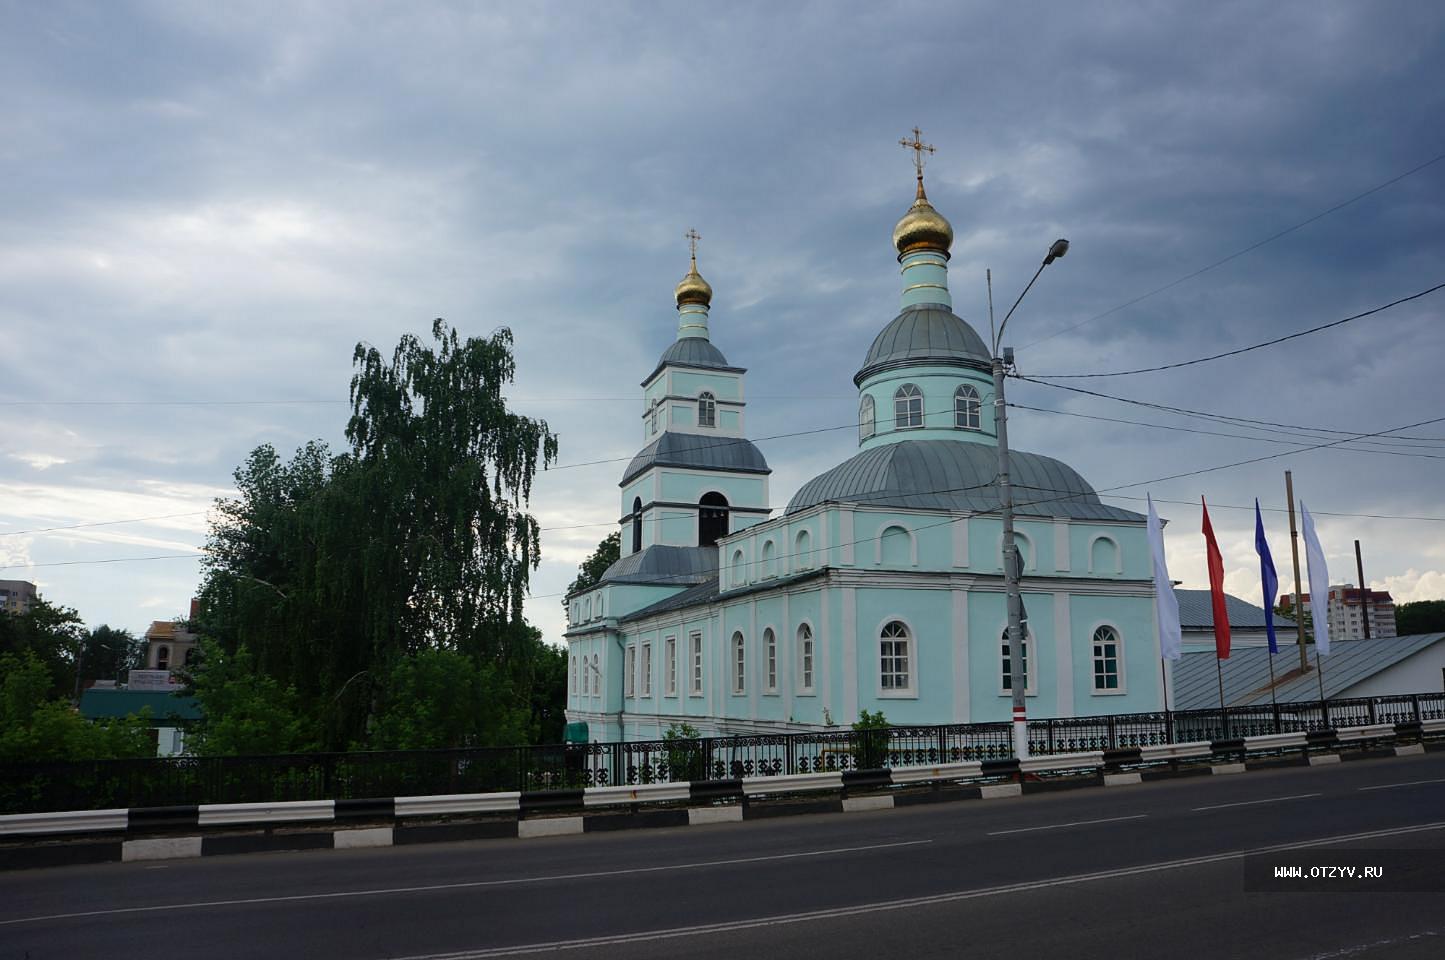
1196,612
693,352
926,332
957,475
690,450
659,563
1246,672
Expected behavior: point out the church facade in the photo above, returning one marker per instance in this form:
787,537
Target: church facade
880,585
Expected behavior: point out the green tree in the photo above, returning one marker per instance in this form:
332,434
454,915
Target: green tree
52,635
1422,616
244,711
332,570
592,569
34,725
442,698
109,654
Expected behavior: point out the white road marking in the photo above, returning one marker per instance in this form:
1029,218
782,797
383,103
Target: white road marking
1250,803
1360,948
1060,826
887,905
468,884
1407,783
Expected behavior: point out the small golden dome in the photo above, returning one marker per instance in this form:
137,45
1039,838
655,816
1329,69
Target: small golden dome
693,288
922,227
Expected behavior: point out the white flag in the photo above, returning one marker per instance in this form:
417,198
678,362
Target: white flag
1319,582
1166,604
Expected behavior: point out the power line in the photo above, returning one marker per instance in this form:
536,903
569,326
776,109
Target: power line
76,563
1236,255
1218,433
1237,352
103,523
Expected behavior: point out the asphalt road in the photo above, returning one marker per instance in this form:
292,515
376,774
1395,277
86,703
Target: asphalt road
1142,871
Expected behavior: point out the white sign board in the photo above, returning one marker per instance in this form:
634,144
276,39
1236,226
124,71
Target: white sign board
151,680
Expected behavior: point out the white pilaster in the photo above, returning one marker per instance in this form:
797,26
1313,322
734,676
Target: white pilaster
1062,560
850,656
960,541
961,700
1063,656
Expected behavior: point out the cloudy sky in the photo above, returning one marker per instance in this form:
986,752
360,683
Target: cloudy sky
206,206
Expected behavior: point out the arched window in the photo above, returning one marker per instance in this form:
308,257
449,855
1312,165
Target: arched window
706,410
895,547
770,650
587,609
805,659
740,664
895,659
966,408
574,676
596,677
908,407
865,418
770,560
803,549
163,658
585,671
1108,657
599,603
739,568
1104,555
1007,671
652,418
637,525
712,519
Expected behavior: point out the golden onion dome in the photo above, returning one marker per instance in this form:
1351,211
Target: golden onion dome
922,227
693,288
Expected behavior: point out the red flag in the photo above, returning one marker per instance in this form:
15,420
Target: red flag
1216,588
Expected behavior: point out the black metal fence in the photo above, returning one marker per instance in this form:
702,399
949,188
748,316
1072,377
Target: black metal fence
106,784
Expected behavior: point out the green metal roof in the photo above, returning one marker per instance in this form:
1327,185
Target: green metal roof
98,704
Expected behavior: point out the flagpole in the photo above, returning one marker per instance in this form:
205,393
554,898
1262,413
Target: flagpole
1299,603
1271,679
1164,688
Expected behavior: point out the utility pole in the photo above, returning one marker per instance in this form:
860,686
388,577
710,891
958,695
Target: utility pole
1299,603
1364,591
1012,562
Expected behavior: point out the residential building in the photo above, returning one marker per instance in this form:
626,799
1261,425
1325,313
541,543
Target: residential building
1349,610
16,596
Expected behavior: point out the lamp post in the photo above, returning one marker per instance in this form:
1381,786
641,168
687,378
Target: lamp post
1012,561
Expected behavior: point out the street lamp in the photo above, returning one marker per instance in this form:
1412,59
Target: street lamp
1012,562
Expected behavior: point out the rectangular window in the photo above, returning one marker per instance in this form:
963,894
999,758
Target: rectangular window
1106,660
740,664
669,666
894,665
647,669
1007,666
631,671
696,642
772,663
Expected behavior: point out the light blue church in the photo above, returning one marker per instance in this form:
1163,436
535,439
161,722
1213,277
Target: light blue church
879,586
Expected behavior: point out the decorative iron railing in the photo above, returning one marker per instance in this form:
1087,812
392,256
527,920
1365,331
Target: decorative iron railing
104,784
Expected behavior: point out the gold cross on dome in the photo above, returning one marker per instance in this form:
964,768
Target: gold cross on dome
919,148
692,237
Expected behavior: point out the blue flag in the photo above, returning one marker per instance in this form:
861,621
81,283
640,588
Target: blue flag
1267,577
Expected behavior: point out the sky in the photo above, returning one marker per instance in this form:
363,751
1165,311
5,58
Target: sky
207,206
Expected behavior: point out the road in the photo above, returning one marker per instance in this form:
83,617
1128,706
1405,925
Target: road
1141,871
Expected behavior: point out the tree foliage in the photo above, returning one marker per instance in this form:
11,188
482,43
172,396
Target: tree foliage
1422,616
36,725
110,654
333,570
52,635
591,570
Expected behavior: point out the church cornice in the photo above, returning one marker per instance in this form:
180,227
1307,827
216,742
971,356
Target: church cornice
886,366
652,377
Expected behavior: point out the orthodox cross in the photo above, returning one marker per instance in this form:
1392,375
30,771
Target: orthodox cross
919,148
692,238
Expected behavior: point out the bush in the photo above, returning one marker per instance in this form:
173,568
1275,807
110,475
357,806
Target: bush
871,739
684,753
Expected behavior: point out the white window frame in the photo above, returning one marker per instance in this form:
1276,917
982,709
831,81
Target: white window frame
770,661
669,666
867,417
596,677
807,659
706,409
586,686
1096,660
738,663
890,640
802,546
652,419
770,560
969,416
574,674
739,567
1031,676
631,670
905,399
695,642
647,669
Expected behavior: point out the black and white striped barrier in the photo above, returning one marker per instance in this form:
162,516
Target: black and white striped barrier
154,833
